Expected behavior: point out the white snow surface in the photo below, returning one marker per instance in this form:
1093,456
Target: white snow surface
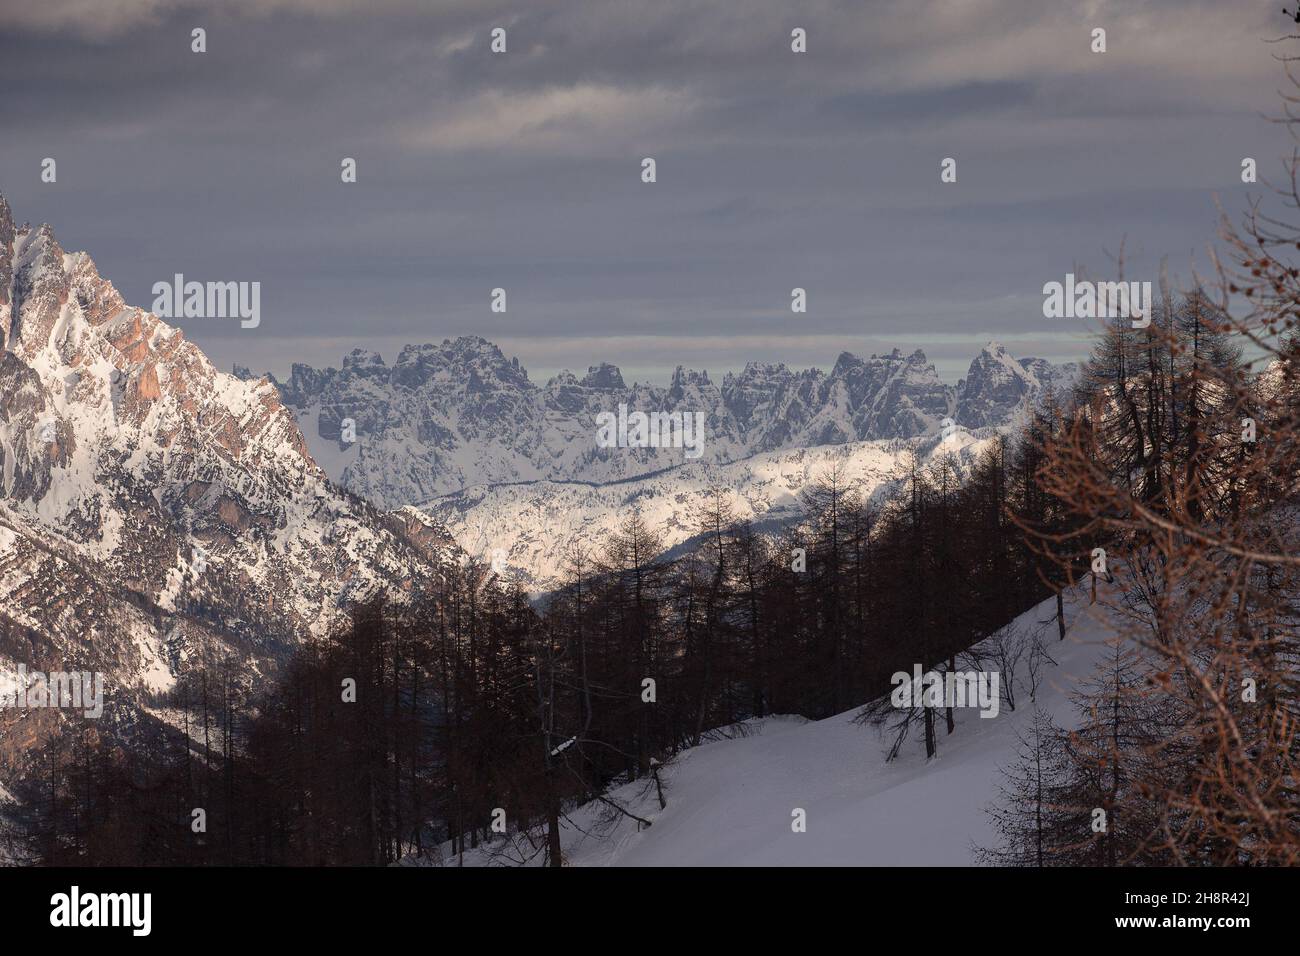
730,800
530,526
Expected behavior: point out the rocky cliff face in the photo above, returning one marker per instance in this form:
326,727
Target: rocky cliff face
998,390
152,508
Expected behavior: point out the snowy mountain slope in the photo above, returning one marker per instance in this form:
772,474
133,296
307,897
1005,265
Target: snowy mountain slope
530,526
151,502
53,597
729,801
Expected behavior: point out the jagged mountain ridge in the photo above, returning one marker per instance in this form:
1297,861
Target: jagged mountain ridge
153,508
448,417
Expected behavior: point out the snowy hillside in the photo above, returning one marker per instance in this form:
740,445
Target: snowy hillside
528,527
729,801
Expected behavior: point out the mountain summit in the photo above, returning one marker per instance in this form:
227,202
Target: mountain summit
998,388
154,510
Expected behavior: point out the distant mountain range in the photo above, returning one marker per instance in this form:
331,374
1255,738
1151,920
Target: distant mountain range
444,418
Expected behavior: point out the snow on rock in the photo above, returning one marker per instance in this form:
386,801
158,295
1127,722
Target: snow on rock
1000,390
443,418
514,468
151,503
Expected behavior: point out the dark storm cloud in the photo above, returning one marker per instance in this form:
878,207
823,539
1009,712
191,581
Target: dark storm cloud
775,170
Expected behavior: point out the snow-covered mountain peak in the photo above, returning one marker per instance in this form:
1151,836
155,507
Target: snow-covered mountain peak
170,486
999,389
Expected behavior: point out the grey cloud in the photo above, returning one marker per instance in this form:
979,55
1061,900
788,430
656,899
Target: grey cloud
522,171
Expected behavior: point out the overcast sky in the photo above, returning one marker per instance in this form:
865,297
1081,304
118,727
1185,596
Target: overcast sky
522,170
